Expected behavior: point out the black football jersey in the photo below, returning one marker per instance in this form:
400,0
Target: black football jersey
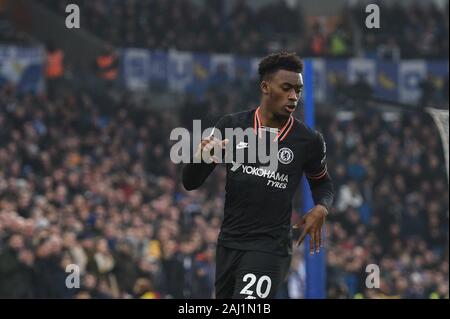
258,202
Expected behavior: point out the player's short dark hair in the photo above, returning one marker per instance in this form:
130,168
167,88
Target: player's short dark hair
279,61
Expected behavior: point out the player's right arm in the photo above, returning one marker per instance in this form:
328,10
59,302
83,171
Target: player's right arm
194,174
206,156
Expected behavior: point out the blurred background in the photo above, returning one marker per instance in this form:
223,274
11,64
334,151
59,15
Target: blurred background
85,118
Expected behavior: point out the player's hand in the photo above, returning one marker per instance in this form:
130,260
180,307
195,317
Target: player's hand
206,146
312,223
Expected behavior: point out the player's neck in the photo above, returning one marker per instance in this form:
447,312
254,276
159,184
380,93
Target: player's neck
269,119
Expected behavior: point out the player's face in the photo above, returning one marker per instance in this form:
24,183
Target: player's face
283,91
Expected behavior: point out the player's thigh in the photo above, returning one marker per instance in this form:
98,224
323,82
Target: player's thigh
260,275
227,261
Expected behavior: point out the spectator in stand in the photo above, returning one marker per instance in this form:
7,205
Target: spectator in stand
54,70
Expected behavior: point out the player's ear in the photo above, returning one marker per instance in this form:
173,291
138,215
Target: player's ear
265,89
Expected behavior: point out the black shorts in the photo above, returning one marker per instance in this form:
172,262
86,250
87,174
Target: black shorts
248,274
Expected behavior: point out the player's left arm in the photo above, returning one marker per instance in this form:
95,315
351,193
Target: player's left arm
322,192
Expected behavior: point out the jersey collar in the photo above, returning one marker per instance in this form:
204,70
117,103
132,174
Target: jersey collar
282,134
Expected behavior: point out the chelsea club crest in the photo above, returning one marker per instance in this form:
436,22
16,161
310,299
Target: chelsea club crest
285,155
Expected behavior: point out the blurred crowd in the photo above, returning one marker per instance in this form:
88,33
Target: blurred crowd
186,25
391,207
419,30
213,27
10,34
89,182
91,185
